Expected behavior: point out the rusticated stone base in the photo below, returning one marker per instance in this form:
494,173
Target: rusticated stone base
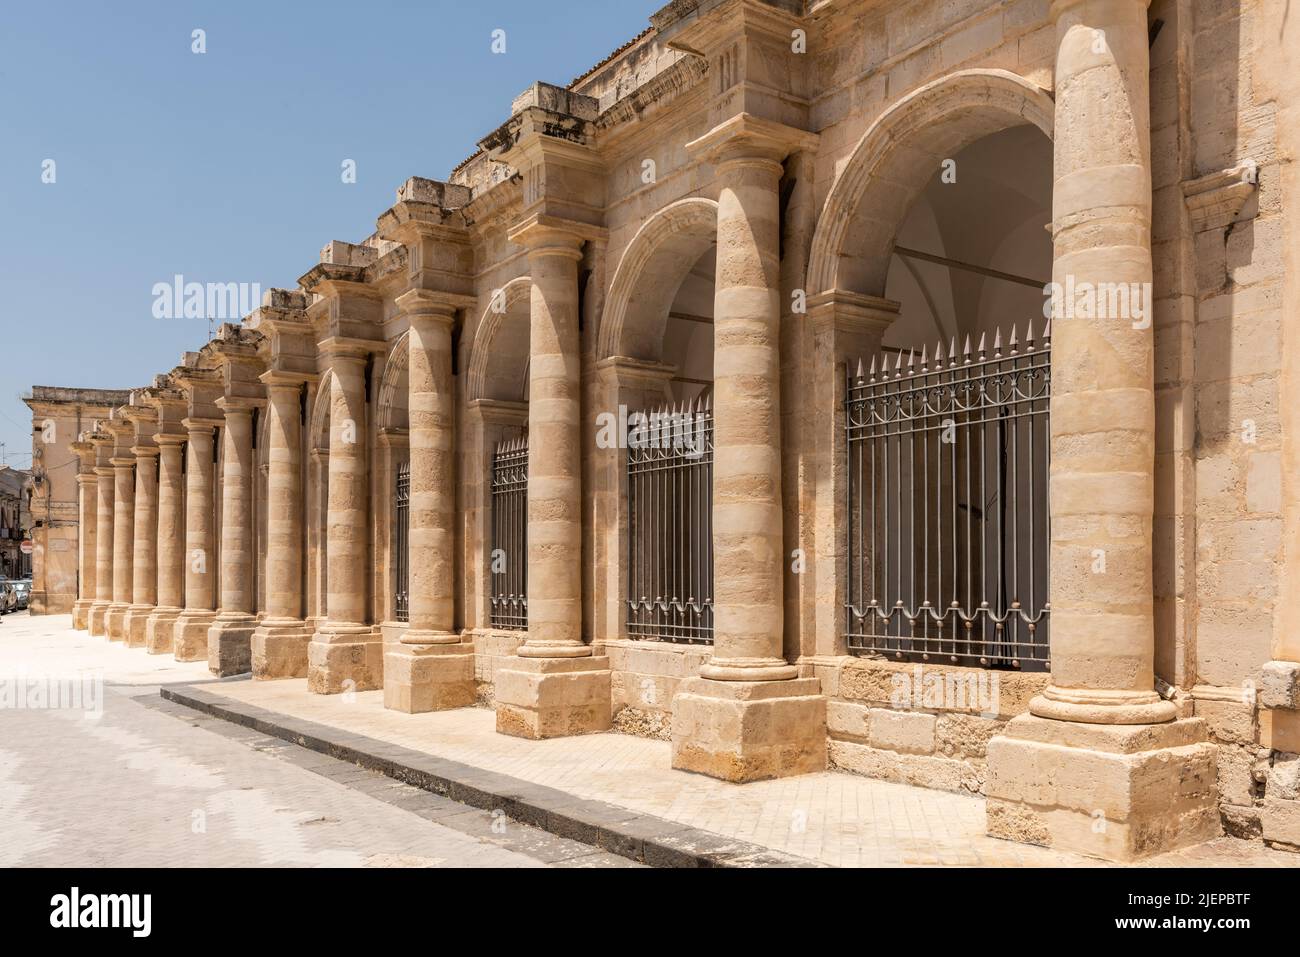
159,631
190,635
81,614
421,678
133,626
279,650
345,658
553,697
96,621
114,619
230,645
1117,792
749,730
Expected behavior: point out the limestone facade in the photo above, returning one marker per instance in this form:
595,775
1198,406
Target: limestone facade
731,212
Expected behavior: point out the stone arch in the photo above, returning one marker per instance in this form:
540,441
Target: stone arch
663,250
392,410
498,366
318,434
897,156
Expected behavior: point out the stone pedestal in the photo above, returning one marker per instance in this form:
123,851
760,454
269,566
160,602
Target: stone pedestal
1119,792
553,697
420,678
342,657
160,630
749,730
278,648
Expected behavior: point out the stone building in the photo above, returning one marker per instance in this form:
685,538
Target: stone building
15,520
714,397
59,415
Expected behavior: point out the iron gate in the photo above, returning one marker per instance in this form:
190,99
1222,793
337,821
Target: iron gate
508,557
670,523
947,525
402,544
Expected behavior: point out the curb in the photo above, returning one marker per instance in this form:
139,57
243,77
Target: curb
643,838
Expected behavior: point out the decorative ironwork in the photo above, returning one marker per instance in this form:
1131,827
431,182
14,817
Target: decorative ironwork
402,544
947,531
670,523
508,558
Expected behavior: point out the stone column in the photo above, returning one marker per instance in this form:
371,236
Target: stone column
1100,745
103,547
748,715
123,545
144,580
431,668
158,632
345,653
280,642
230,637
553,686
87,527
190,632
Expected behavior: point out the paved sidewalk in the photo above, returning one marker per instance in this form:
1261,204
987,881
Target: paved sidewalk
830,818
147,783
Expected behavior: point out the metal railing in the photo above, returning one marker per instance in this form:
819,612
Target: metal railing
402,544
670,523
947,501
508,556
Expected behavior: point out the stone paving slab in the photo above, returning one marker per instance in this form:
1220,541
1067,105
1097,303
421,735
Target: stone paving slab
617,830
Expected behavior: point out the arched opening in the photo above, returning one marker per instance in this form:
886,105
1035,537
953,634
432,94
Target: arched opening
655,498
317,510
394,464
495,476
938,231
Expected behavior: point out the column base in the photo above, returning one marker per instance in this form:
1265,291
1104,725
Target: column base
553,697
344,657
159,629
114,619
81,613
749,730
230,644
95,622
279,649
190,635
133,625
1117,792
422,678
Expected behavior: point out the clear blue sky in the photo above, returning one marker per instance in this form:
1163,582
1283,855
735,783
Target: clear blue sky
225,166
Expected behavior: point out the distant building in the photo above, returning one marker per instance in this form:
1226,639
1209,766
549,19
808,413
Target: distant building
15,521
58,416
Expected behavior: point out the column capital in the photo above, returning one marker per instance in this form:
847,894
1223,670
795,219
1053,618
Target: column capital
231,406
852,311
145,451
170,439
745,138
499,411
342,349
120,462
200,426
544,235
433,304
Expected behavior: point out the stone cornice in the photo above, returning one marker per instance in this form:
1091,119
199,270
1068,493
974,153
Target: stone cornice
1215,201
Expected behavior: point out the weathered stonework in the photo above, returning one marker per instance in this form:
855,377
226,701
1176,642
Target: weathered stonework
715,217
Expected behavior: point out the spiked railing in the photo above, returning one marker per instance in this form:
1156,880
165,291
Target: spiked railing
401,544
947,503
670,523
508,556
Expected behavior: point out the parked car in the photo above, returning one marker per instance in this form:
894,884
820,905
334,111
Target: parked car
22,591
8,597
